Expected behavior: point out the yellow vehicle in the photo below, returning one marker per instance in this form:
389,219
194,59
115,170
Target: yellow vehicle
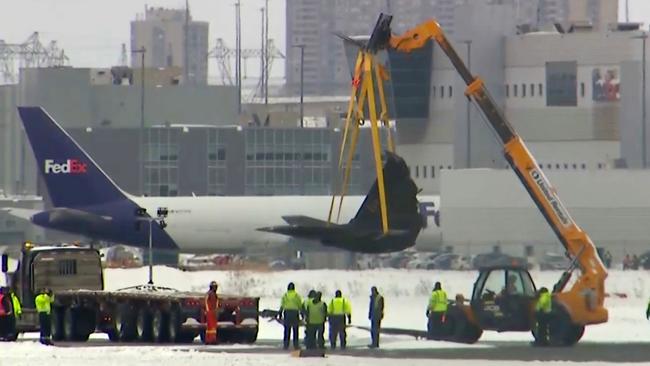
504,295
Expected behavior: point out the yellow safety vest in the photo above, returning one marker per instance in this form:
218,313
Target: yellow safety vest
544,303
291,301
438,301
18,309
340,306
43,303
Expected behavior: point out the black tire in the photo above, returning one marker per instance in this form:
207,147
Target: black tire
159,326
186,337
56,324
247,336
123,323
174,326
70,325
562,331
113,336
460,328
143,325
78,324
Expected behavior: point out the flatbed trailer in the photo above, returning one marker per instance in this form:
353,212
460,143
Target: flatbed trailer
142,313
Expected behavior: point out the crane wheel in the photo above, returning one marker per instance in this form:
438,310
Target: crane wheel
562,331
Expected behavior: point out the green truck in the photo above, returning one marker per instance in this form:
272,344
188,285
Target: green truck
137,314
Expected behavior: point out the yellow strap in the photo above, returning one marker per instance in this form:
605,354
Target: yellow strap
376,143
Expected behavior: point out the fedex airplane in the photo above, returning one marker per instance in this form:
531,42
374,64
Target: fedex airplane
87,202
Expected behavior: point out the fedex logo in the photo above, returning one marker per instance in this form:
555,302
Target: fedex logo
70,166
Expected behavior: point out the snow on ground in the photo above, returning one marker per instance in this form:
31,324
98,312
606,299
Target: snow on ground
406,293
29,354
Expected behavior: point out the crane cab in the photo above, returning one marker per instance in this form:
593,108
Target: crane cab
503,298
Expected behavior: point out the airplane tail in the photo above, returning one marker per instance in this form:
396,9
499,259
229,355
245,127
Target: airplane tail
72,178
401,199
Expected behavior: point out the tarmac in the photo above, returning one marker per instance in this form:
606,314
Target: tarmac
493,351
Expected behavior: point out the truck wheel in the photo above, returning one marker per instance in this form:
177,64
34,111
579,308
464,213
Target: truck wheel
563,332
461,330
69,325
56,324
186,337
247,336
159,326
143,325
123,323
173,326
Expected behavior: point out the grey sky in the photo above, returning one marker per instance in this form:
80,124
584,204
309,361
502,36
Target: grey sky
92,31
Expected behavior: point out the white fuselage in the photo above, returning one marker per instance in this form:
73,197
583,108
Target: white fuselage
212,224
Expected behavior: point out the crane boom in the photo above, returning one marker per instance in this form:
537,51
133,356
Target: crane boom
584,301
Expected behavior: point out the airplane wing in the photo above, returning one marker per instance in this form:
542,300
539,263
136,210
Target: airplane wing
22,213
300,220
398,331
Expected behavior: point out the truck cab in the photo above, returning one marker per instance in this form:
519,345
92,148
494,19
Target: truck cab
56,267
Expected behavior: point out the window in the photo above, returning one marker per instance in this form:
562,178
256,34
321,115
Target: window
507,91
449,167
514,89
600,165
434,91
450,92
523,90
566,166
575,166
433,171
540,89
442,91
557,166
417,171
424,171
67,267
582,90
532,90
549,166
583,166
561,84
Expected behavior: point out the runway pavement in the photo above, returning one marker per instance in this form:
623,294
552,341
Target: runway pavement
505,351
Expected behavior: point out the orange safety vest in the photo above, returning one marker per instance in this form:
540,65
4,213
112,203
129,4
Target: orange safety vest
211,307
3,311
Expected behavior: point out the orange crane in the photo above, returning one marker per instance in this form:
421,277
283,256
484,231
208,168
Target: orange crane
574,306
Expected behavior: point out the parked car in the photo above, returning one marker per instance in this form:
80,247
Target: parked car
451,261
494,258
552,261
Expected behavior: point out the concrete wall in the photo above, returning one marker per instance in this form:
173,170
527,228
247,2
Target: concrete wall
486,27
482,208
69,95
631,126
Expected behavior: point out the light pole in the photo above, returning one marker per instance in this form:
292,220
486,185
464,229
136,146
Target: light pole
468,161
643,38
142,51
302,82
160,219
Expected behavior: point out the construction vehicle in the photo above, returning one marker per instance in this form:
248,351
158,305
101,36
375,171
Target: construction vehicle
504,295
142,313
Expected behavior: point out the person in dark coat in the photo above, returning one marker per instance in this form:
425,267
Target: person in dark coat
375,315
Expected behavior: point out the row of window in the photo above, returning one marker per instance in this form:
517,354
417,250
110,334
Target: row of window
524,89
425,171
439,91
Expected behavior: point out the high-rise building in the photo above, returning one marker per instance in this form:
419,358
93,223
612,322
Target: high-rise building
312,23
172,38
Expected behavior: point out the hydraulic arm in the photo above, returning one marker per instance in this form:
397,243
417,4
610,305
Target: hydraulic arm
583,302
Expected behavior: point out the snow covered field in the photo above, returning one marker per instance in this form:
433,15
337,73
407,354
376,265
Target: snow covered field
406,293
